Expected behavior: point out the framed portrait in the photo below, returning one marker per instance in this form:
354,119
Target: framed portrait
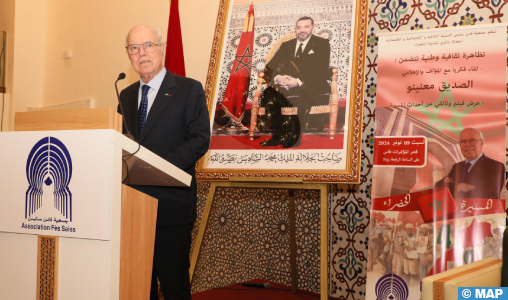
285,90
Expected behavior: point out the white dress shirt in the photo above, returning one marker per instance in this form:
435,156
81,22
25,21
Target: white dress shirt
154,85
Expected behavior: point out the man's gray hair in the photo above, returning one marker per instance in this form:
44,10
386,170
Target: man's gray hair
481,134
159,37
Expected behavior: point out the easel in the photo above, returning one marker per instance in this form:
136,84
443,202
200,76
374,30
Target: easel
289,184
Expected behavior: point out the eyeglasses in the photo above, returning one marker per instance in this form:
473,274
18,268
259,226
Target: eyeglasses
148,46
471,142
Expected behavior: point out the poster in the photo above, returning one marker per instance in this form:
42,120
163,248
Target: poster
305,51
447,88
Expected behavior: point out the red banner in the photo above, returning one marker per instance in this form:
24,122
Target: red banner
174,49
438,204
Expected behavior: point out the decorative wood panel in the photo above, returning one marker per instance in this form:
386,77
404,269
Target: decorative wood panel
47,268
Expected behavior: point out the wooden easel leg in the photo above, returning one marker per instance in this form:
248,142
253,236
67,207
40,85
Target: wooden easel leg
292,241
324,241
202,228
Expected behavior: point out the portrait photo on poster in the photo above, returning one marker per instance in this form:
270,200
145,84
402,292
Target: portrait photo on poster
281,96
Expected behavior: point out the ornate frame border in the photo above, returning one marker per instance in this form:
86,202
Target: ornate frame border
353,157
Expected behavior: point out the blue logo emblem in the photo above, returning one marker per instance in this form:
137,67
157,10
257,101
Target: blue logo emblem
391,287
49,163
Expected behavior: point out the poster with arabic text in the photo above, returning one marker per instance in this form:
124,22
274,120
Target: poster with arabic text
438,190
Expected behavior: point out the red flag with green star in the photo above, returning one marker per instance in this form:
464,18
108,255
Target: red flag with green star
235,97
437,204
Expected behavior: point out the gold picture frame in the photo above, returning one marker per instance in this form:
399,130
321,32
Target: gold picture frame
237,152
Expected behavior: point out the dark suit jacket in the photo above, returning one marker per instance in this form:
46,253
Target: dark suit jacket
177,129
310,68
487,175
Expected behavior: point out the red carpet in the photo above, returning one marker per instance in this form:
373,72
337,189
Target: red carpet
242,142
237,291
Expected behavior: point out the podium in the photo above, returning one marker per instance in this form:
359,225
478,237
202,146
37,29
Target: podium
69,228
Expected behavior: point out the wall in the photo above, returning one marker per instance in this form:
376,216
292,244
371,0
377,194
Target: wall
29,39
7,25
94,31
24,22
198,26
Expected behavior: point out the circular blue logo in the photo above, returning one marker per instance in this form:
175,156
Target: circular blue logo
391,287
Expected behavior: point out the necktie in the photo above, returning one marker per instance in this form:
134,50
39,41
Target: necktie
142,109
300,50
467,165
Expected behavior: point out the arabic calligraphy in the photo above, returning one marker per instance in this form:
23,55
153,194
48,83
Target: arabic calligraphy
445,38
276,158
49,219
437,104
403,202
434,71
445,56
442,88
472,208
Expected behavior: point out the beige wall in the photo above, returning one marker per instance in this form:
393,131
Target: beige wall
7,25
28,65
94,31
24,23
198,18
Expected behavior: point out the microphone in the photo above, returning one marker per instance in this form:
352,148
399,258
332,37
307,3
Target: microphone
257,285
128,134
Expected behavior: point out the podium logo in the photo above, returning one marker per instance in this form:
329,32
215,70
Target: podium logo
392,287
49,163
482,293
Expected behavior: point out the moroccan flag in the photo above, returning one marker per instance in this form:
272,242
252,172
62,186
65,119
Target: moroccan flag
437,204
174,49
237,89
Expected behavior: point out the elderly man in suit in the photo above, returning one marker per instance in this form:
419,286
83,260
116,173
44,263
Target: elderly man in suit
479,176
300,70
167,114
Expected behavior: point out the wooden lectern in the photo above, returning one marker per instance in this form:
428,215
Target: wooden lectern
69,228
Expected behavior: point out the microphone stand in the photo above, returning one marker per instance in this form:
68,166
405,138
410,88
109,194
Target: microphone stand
128,134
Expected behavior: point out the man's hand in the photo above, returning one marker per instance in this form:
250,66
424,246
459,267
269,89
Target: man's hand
291,82
286,81
447,180
281,81
465,187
